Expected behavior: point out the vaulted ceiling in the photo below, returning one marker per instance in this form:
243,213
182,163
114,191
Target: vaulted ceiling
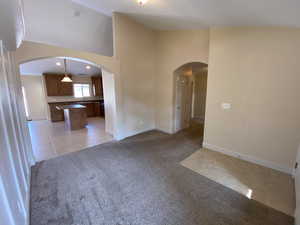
86,25
67,24
191,14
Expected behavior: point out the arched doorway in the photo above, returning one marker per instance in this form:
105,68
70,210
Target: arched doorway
190,83
83,88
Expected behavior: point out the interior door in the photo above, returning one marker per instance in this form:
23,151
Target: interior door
297,188
183,102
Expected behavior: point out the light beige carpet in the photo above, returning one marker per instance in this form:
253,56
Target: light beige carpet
267,186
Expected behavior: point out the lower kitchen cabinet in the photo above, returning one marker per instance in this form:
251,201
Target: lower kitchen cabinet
93,109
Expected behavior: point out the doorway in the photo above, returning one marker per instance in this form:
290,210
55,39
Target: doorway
190,87
47,96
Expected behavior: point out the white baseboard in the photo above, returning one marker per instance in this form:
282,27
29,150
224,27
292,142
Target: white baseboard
248,158
133,133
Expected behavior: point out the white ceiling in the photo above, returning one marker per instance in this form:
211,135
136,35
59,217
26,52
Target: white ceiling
67,24
192,14
38,67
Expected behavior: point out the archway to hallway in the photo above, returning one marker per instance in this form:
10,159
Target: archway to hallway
190,87
92,87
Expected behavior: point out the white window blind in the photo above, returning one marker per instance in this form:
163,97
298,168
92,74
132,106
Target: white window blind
81,90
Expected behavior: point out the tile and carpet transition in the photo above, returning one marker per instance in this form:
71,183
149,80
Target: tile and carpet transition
139,181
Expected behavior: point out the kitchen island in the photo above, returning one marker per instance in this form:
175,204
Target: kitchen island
94,108
75,116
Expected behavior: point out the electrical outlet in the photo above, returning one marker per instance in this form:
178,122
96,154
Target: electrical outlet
226,106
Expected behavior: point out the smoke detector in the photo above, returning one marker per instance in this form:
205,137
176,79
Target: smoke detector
142,2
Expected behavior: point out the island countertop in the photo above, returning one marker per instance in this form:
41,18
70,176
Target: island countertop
76,101
73,106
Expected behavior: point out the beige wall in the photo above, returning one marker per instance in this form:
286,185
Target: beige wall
257,71
199,95
175,48
35,95
135,48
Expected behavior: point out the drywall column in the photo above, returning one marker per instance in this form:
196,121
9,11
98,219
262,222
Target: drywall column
135,47
109,102
15,147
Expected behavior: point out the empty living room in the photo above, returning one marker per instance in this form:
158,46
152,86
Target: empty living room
149,112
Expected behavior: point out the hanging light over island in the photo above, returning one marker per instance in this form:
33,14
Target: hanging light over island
66,77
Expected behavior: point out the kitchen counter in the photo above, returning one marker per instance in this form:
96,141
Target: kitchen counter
73,106
94,108
77,101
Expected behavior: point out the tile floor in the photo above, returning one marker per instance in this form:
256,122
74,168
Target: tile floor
270,187
50,140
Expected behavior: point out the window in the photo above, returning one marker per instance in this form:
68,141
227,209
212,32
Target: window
81,90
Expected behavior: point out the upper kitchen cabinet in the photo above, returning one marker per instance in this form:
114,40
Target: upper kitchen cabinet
97,86
55,87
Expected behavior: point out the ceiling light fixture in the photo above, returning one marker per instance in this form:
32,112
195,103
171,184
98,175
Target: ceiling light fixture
66,78
142,2
58,63
88,67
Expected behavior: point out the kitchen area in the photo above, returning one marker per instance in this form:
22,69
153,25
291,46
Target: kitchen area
61,94
65,106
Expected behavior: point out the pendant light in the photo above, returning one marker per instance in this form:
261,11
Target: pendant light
66,78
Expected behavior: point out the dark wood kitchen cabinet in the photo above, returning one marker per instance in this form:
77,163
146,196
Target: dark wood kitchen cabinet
55,87
97,86
66,88
99,109
56,114
90,108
